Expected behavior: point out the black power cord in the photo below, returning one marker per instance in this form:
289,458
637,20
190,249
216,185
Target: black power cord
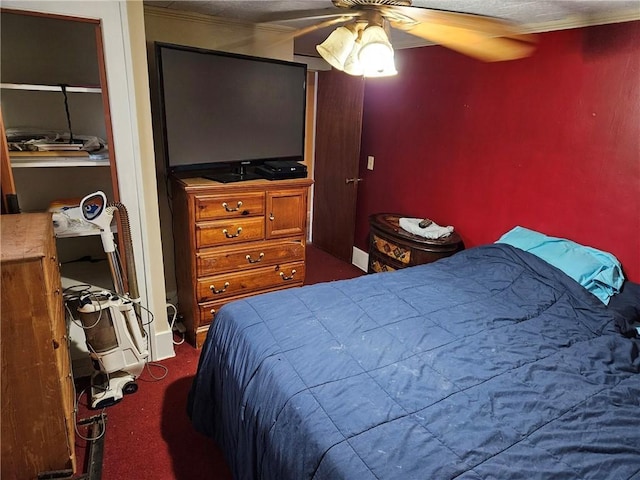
63,87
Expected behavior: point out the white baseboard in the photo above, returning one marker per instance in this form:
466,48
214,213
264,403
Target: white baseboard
360,259
164,346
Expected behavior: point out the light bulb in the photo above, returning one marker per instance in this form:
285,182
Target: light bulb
376,54
376,58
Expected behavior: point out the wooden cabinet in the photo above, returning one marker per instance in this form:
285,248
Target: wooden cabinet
37,385
392,248
235,240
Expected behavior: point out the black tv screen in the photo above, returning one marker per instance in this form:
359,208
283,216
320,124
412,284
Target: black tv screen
223,108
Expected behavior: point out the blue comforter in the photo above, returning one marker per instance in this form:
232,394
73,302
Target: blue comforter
490,364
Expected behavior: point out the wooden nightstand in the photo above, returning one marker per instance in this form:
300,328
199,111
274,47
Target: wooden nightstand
392,248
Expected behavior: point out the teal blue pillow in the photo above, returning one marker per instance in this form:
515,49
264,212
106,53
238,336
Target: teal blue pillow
597,271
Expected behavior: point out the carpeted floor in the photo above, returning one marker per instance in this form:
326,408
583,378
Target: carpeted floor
148,434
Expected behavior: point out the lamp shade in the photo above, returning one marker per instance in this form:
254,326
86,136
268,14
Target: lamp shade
376,53
352,65
337,47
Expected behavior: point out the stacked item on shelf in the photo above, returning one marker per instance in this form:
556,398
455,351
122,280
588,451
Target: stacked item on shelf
33,141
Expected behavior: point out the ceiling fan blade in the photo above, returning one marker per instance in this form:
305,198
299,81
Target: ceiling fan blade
290,35
312,28
319,14
484,38
490,26
474,44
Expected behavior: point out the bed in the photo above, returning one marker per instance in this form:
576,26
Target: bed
490,364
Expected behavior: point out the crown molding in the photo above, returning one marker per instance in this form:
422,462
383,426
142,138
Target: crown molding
171,14
584,20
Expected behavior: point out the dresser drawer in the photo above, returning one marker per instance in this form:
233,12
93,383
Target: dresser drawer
208,310
391,249
207,313
379,264
227,232
219,260
213,207
258,279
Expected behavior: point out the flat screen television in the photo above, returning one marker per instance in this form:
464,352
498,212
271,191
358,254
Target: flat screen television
224,113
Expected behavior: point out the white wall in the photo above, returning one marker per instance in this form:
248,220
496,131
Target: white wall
127,78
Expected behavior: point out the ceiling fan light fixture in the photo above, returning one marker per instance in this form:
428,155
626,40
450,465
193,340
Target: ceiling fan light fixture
338,46
375,54
359,48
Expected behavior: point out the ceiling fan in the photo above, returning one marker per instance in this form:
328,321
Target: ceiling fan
361,45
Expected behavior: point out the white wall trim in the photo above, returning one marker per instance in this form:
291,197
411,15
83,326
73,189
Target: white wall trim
137,78
312,161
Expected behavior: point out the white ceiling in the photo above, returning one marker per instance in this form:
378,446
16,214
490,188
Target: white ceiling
532,15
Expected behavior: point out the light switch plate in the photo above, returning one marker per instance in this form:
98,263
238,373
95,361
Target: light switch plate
370,160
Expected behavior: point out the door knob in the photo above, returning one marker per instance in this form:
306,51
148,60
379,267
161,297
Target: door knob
352,180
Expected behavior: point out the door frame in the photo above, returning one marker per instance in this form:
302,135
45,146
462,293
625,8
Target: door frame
125,59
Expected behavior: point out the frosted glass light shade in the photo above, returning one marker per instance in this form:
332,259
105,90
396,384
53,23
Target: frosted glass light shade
352,65
376,54
337,47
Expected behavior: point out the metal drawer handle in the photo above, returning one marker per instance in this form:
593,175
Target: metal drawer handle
222,290
226,207
284,277
212,312
232,235
271,217
251,260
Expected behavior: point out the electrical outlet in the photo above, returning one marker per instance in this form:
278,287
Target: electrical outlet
370,160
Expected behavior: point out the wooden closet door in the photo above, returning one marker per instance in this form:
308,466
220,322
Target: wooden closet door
338,132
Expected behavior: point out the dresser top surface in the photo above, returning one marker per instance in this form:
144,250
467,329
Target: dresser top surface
201,183
24,236
389,223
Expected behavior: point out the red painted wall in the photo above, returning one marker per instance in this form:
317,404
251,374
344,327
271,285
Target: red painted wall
551,142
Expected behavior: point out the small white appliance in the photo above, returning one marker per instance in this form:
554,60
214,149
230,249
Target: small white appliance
116,339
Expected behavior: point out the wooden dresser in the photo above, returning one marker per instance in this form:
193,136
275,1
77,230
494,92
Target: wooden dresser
37,385
234,240
392,248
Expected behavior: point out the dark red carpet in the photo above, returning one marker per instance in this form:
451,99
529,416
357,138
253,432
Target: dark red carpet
149,435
